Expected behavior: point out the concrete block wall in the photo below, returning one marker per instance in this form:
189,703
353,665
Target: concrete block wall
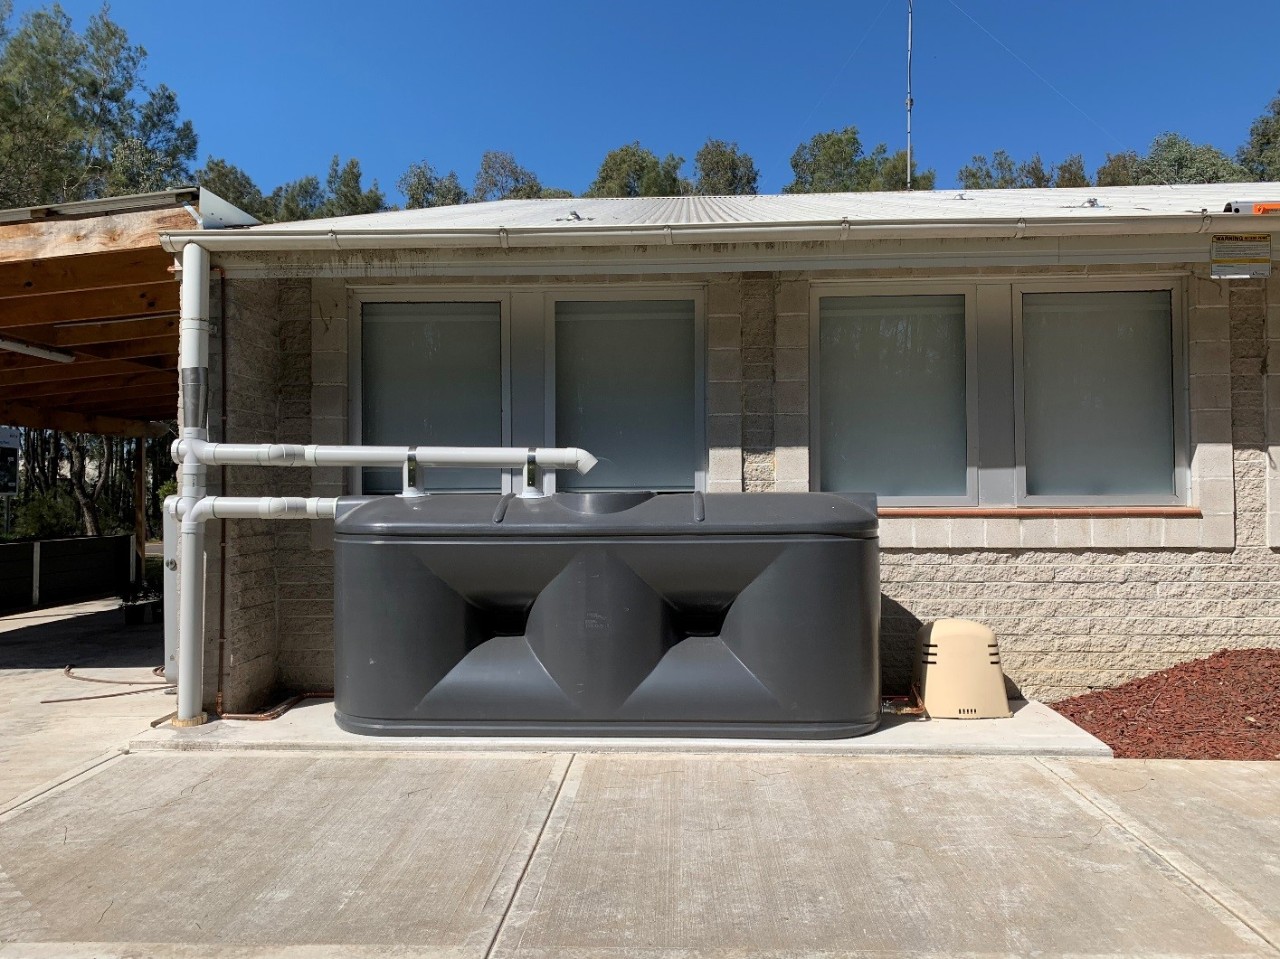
250,343
1079,602
1084,603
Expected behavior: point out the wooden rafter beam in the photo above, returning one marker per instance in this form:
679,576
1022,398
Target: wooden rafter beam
120,394
159,400
16,375
102,384
133,349
16,414
87,334
113,233
67,273
117,302
136,349
157,412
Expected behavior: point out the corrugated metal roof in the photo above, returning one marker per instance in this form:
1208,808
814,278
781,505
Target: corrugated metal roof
585,214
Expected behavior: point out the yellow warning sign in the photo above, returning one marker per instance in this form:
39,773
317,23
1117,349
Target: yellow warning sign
1240,255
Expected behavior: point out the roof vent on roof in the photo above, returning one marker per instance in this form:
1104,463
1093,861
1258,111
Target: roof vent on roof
574,216
961,196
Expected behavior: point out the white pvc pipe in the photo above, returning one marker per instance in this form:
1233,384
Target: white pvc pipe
170,521
292,454
264,507
193,364
191,624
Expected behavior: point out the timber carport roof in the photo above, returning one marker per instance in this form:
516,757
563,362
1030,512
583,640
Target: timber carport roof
89,285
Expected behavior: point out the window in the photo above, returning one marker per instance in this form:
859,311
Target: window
893,395
618,373
1097,394
432,376
624,389
1045,395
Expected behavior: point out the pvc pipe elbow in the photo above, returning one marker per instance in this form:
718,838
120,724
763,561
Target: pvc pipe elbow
585,462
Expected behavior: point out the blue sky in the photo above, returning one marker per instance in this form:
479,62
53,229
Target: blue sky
279,86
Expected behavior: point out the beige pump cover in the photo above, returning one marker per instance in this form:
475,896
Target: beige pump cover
959,674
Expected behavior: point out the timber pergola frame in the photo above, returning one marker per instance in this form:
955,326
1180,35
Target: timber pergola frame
89,290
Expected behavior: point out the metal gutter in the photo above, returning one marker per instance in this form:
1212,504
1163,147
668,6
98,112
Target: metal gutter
266,239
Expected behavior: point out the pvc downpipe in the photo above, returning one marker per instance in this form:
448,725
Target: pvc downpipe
193,364
169,518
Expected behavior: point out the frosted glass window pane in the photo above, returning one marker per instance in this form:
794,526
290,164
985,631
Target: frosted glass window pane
892,395
1098,393
432,376
625,391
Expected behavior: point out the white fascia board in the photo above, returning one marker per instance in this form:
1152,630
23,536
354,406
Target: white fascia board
920,253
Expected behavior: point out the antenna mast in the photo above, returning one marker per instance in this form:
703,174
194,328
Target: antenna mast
910,102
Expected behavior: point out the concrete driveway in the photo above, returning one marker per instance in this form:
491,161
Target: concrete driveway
306,846
39,741
576,855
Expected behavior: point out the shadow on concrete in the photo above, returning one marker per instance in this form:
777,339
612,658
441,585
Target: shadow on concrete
96,640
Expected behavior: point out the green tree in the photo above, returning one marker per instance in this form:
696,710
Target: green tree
1175,159
881,170
1001,171
423,187
500,177
301,199
1119,169
235,186
346,195
834,162
78,122
633,170
829,162
157,151
1260,154
1172,158
1071,173
555,193
721,169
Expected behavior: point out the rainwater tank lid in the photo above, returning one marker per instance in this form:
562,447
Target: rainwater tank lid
450,515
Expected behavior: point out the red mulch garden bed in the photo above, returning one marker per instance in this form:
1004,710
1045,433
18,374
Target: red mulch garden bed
1223,707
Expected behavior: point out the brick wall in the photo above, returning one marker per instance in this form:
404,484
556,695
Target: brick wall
1077,602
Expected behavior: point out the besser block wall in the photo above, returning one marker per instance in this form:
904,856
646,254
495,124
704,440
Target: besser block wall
1077,603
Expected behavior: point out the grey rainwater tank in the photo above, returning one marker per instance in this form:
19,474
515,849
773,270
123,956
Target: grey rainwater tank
608,614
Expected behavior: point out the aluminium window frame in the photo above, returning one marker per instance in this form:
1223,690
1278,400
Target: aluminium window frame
825,289
357,297
693,292
1180,383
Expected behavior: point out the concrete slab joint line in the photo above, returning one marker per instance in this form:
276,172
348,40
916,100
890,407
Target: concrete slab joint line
1265,928
533,853
514,917
62,781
